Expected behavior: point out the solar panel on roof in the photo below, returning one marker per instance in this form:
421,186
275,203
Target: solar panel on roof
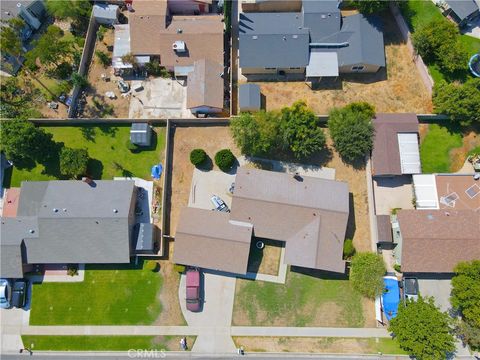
473,191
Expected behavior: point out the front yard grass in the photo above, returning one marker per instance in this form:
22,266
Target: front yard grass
103,343
435,149
109,295
304,300
320,345
107,149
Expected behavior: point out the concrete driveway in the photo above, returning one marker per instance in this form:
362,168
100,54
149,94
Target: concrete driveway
11,323
216,315
438,289
391,193
160,98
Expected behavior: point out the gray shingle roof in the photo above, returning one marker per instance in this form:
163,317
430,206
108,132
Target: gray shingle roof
322,18
463,8
273,40
73,222
249,97
141,134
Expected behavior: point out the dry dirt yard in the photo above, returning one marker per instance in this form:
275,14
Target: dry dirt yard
185,139
98,87
400,89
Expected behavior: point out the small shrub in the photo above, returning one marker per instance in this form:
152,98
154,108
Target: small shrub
72,269
103,58
179,268
348,249
101,32
397,268
198,157
395,211
155,69
224,159
151,265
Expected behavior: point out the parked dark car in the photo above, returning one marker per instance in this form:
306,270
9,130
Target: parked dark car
410,288
193,290
19,293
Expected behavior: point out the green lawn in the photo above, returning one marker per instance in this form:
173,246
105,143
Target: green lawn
302,301
435,149
109,295
103,343
418,13
107,149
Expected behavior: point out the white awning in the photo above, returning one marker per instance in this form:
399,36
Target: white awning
322,64
426,196
409,153
182,70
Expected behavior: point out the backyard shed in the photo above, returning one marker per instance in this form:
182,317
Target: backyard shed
249,97
141,134
106,14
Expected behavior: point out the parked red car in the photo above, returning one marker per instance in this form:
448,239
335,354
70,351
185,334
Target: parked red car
193,290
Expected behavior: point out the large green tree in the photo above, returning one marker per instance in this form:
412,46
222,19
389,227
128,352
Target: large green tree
423,330
300,131
370,6
366,274
17,101
69,9
73,162
466,291
24,143
50,49
352,130
461,102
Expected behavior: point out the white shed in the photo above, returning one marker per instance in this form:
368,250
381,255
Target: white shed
106,14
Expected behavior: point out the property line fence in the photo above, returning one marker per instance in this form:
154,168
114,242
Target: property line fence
87,54
166,190
407,37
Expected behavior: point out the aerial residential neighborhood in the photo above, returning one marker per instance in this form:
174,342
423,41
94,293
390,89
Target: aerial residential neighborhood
229,178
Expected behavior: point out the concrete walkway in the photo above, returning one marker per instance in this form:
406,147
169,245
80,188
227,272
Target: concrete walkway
309,332
371,205
216,316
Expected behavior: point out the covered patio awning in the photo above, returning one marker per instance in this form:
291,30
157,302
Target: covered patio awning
322,64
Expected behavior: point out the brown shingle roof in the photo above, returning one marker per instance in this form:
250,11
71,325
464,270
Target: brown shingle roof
434,241
384,228
309,215
151,35
208,239
205,85
385,154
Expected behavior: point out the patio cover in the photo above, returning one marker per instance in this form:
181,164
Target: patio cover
121,47
322,64
425,192
409,153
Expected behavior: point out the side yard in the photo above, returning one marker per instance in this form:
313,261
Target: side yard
445,149
320,345
107,148
398,89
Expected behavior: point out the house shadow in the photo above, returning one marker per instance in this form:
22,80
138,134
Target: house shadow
319,274
351,223
327,83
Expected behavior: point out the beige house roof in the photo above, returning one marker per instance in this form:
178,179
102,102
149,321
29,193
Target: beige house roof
208,239
434,241
462,189
309,214
152,32
205,85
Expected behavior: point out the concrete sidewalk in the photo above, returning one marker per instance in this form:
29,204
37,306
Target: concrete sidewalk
197,330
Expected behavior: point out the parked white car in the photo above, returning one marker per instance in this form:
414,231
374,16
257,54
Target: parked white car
5,294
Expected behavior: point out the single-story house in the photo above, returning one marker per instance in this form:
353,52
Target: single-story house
314,43
106,14
271,5
395,148
309,214
435,241
62,222
462,11
141,134
189,7
249,97
205,86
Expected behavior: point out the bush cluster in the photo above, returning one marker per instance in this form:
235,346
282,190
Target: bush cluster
224,159
198,157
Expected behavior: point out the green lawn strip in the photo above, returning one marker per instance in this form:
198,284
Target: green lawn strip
107,149
103,343
474,151
324,344
435,149
109,295
295,300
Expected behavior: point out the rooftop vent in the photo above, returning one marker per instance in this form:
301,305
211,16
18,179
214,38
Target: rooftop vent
115,211
254,37
64,210
298,177
295,36
31,231
55,210
179,31
179,46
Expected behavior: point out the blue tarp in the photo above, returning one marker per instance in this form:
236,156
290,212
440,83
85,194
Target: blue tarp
157,171
390,297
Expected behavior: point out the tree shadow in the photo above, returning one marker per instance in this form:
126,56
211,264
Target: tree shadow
94,168
108,130
88,133
206,165
7,177
127,173
51,160
351,224
322,157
